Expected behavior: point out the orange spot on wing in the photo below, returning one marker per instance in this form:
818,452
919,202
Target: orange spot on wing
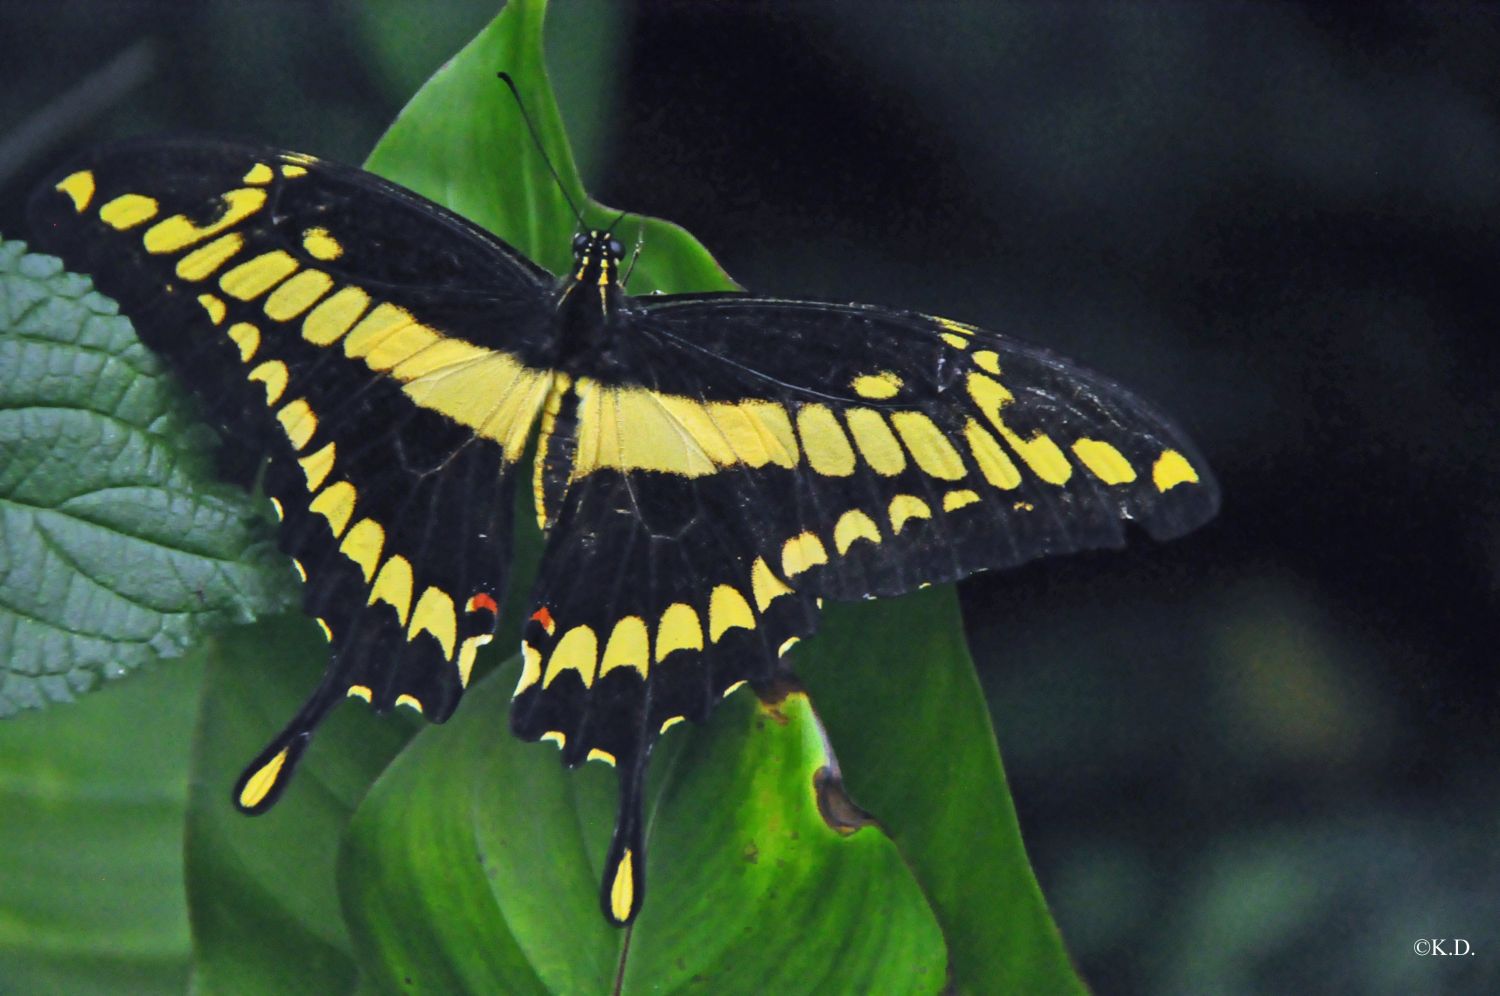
545,618
483,602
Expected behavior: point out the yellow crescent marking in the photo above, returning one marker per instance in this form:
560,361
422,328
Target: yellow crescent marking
553,736
955,500
578,650
335,503
668,724
327,629
435,614
727,609
247,338
276,505
213,306
467,651
905,507
531,668
764,585
259,785
298,422
802,552
317,466
128,210
628,646
679,629
1104,461
363,545
177,232
1172,469
733,688
787,644
273,375
393,586
79,187
595,754
854,525
409,701
360,692
301,571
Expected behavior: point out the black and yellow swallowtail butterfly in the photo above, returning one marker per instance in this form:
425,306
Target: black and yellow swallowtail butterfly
708,467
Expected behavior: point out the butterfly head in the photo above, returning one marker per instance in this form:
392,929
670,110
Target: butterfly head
596,257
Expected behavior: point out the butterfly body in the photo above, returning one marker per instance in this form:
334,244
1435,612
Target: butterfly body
708,467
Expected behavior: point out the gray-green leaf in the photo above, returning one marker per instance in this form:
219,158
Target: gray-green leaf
116,545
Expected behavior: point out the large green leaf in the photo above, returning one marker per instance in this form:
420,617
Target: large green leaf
115,546
92,798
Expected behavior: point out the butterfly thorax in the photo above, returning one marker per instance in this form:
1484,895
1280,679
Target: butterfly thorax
587,299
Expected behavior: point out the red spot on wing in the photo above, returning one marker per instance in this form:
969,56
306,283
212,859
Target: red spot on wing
545,618
484,602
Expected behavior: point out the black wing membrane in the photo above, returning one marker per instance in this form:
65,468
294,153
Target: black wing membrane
765,455
378,349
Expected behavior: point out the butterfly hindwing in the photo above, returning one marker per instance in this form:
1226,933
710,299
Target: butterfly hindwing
374,347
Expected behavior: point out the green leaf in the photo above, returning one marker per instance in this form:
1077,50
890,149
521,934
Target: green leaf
115,546
265,913
894,682
473,867
91,897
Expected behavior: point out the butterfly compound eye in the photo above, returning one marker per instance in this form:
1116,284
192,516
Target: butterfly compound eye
615,249
580,243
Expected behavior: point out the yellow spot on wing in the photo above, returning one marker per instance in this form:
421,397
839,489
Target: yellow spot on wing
531,668
360,692
679,629
298,422
409,701
128,210
1172,469
297,295
202,262
764,585
955,500
466,654
758,432
364,543
79,187
259,785
877,444
988,359
929,447
622,889
292,172
824,442
247,338
177,232
260,173
956,341
1039,453
254,277
905,507
317,466
878,386
955,327
727,609
578,650
1104,461
435,614
335,503
994,463
628,646
854,525
213,306
802,552
393,586
320,245
273,375
331,319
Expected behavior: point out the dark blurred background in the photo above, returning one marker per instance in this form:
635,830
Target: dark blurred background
1260,759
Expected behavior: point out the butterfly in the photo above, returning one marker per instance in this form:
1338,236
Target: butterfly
707,469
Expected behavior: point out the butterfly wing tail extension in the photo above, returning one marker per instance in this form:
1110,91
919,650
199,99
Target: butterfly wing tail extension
623,888
264,779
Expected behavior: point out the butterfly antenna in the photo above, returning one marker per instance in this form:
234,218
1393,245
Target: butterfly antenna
640,243
536,139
